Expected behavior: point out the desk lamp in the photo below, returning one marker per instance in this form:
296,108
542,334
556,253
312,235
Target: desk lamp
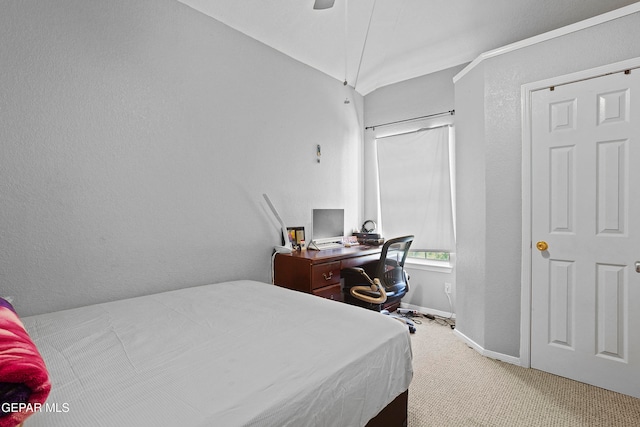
286,248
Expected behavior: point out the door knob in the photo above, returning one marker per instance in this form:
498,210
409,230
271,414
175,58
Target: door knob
542,246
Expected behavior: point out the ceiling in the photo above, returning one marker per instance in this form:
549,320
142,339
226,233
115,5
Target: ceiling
373,43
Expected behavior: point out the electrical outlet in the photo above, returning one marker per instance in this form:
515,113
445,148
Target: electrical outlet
447,288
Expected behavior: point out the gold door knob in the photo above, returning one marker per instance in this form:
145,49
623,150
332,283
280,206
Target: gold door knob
542,246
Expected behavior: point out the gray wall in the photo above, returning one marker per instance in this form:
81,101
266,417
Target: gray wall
471,205
489,155
417,97
136,140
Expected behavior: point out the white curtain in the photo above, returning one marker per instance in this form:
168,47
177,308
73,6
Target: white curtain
416,188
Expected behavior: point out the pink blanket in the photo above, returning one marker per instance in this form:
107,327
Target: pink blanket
24,380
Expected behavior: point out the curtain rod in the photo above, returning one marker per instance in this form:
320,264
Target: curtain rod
451,112
414,131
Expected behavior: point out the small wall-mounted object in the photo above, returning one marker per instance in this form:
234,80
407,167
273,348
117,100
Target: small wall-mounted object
318,152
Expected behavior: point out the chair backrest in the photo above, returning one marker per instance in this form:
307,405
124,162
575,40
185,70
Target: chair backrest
390,269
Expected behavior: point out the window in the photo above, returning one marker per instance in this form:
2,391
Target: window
431,256
416,178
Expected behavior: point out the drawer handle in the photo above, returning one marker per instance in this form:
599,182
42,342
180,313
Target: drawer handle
327,277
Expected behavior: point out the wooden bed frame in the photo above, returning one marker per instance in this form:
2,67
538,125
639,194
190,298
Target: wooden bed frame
394,414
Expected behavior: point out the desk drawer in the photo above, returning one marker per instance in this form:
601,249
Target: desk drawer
325,274
333,292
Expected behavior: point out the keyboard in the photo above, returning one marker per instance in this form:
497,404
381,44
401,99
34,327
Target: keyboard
330,245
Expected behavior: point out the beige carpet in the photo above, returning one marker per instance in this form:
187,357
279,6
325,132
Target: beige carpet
453,385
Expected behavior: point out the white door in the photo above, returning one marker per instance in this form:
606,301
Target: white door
585,187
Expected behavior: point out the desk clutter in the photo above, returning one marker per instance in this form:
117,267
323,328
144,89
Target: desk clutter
366,236
369,239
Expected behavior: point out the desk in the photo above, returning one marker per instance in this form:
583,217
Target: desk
318,272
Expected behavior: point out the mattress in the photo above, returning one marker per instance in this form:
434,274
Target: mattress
240,353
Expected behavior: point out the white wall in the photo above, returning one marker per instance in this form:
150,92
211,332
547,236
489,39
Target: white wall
489,151
426,95
136,140
471,204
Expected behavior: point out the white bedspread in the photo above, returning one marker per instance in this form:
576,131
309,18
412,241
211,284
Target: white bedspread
230,354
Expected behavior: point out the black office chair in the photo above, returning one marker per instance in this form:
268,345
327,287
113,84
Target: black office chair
390,281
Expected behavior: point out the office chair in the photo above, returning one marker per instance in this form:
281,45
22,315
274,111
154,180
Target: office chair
390,282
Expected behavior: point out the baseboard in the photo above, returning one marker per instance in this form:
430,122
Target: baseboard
487,353
471,343
426,310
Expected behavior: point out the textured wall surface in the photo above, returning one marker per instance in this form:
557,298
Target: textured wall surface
136,140
488,103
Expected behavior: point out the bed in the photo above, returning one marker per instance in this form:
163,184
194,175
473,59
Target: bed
239,353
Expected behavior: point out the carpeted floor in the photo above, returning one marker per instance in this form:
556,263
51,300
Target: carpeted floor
453,385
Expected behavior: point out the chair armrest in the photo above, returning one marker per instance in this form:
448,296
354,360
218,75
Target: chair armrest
374,294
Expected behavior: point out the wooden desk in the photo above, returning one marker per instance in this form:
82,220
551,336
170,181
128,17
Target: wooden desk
318,272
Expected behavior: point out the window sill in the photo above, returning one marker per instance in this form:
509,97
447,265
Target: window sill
429,265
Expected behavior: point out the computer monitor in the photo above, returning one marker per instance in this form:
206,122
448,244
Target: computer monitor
327,225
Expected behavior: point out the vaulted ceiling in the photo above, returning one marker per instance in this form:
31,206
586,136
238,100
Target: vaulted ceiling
373,43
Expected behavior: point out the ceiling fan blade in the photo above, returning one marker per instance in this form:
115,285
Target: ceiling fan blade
323,4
